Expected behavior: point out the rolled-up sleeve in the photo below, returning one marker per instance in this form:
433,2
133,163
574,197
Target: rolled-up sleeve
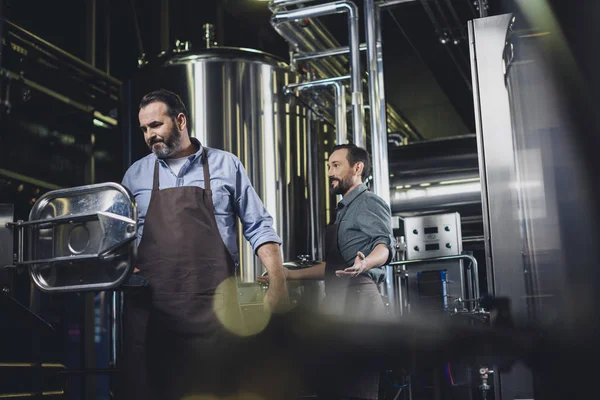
376,221
257,223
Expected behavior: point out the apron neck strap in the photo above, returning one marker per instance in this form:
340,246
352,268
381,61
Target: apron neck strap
155,185
205,166
155,181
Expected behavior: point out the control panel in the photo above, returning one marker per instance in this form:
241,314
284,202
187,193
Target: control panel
432,236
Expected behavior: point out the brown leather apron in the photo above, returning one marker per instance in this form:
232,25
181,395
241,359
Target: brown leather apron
356,298
172,333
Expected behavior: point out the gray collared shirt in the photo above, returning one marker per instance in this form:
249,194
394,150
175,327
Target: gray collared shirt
365,221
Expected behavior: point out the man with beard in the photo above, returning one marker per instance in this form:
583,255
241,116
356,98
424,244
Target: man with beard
189,197
358,246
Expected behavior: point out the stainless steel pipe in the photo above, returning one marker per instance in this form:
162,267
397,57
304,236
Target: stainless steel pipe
474,269
390,3
338,51
341,130
275,4
379,148
355,83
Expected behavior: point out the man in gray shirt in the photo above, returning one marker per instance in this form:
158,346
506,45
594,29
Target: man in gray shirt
358,245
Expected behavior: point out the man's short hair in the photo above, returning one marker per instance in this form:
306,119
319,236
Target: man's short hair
356,154
173,102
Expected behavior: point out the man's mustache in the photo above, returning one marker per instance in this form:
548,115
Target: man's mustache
155,140
331,180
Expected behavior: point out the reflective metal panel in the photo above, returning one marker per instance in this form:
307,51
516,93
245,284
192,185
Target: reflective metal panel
497,161
501,215
81,238
236,103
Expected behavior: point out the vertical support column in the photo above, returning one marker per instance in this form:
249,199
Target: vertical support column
379,148
358,111
88,345
341,130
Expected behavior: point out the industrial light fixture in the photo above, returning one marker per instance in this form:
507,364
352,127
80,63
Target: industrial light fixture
452,182
435,191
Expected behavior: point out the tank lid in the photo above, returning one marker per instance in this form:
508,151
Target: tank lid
220,53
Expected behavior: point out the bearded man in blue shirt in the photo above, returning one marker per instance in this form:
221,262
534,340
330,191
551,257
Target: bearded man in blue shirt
189,197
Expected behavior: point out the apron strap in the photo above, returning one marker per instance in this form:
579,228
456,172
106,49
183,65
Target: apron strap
155,185
206,171
155,182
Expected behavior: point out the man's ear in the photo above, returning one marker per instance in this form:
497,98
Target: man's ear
181,121
360,166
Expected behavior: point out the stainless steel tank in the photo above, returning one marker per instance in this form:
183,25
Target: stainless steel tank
236,103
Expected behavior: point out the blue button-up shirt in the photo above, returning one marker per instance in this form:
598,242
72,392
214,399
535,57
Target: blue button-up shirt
233,195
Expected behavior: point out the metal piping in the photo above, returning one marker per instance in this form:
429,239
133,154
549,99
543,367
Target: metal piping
355,83
275,4
379,150
294,35
16,31
473,260
338,51
385,4
315,38
341,130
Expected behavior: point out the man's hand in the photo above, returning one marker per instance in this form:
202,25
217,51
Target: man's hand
277,294
360,265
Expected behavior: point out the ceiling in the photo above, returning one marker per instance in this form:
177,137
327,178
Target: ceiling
426,80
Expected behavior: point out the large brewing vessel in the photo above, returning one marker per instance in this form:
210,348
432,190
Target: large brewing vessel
236,103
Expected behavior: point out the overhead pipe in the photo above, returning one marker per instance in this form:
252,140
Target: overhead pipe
274,5
327,41
355,82
323,67
389,3
341,130
338,51
296,36
314,38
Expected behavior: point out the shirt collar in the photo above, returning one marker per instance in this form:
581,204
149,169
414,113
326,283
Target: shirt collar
191,157
347,199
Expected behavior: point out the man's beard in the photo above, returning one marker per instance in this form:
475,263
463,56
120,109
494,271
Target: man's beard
169,146
342,187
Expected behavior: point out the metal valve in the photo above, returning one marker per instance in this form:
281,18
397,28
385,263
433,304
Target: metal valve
484,375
